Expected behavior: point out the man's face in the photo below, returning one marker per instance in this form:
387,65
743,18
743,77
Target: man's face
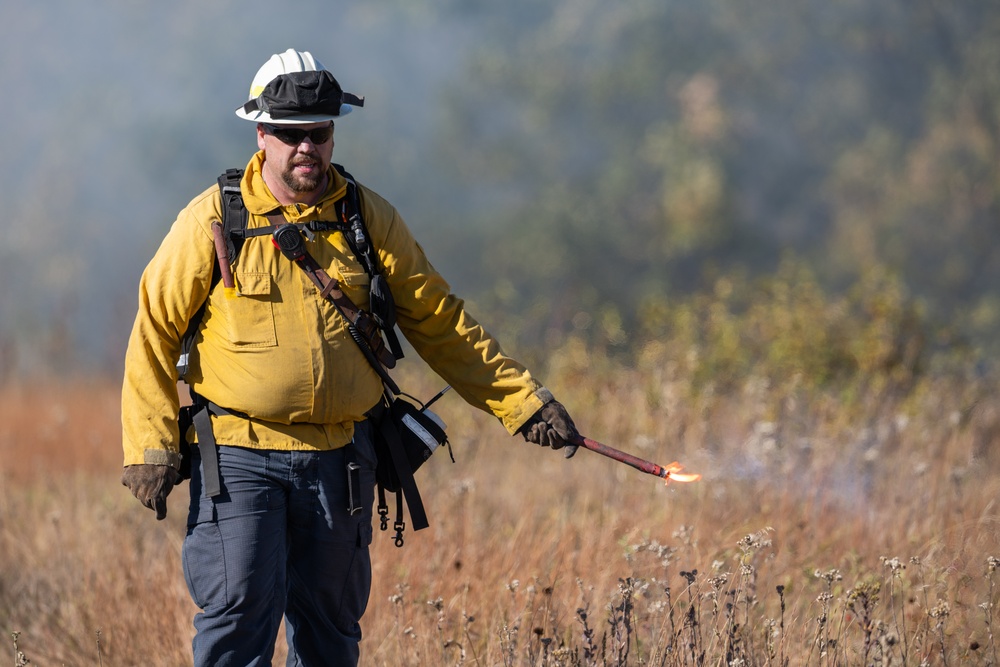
297,155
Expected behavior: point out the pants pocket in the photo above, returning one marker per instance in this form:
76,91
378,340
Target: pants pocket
204,562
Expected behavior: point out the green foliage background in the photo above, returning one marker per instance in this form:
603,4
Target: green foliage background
809,186
657,146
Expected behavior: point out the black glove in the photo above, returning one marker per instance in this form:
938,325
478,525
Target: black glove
151,484
551,427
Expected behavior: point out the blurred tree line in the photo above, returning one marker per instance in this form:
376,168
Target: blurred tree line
615,160
746,180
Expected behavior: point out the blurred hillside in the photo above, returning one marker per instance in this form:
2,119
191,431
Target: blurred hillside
610,172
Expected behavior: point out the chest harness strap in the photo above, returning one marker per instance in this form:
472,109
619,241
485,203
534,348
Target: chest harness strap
365,328
366,334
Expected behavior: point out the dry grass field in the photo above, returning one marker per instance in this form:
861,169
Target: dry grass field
827,530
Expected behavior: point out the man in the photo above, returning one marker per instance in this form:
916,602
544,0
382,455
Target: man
277,538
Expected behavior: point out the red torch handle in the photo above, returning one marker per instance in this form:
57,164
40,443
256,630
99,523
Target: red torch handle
618,455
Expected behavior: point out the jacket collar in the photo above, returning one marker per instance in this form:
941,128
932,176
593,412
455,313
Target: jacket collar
258,199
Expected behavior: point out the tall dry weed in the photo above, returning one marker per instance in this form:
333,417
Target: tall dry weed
826,531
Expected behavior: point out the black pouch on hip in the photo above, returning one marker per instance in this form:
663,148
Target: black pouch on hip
420,432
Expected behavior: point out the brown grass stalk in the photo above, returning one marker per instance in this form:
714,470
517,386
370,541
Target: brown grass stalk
826,531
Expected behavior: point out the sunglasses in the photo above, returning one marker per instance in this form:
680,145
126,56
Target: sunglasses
295,136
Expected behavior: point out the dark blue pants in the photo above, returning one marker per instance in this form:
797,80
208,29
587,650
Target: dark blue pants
279,541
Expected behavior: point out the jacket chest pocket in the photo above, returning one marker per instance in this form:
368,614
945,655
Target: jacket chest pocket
353,280
251,311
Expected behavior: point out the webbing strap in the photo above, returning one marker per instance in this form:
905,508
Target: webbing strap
356,234
207,445
360,324
383,509
209,452
399,525
312,226
405,476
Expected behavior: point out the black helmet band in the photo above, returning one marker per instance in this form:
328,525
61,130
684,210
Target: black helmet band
302,93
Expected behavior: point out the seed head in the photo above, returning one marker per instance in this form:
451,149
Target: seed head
892,563
830,575
940,610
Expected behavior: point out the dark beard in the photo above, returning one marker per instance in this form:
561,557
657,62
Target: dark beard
301,184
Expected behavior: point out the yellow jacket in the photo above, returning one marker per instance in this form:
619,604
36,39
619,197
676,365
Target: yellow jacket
276,351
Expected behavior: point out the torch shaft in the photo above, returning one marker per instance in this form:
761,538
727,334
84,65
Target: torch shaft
618,455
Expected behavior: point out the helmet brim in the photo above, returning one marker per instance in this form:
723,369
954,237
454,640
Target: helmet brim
261,117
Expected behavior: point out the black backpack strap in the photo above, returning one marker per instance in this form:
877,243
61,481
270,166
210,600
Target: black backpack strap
234,213
308,228
383,307
234,223
356,232
187,340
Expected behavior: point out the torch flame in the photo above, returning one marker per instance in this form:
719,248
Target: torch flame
670,472
673,473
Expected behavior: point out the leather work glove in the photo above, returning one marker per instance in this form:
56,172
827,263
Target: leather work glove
151,484
551,427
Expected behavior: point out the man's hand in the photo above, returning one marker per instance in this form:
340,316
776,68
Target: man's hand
551,427
151,484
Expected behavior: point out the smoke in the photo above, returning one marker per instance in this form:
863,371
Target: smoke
710,133
119,113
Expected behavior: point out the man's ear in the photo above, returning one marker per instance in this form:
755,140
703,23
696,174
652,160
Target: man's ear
260,136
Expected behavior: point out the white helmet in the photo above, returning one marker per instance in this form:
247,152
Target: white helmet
282,94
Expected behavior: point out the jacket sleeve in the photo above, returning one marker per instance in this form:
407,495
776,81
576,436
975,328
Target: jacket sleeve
173,286
447,337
